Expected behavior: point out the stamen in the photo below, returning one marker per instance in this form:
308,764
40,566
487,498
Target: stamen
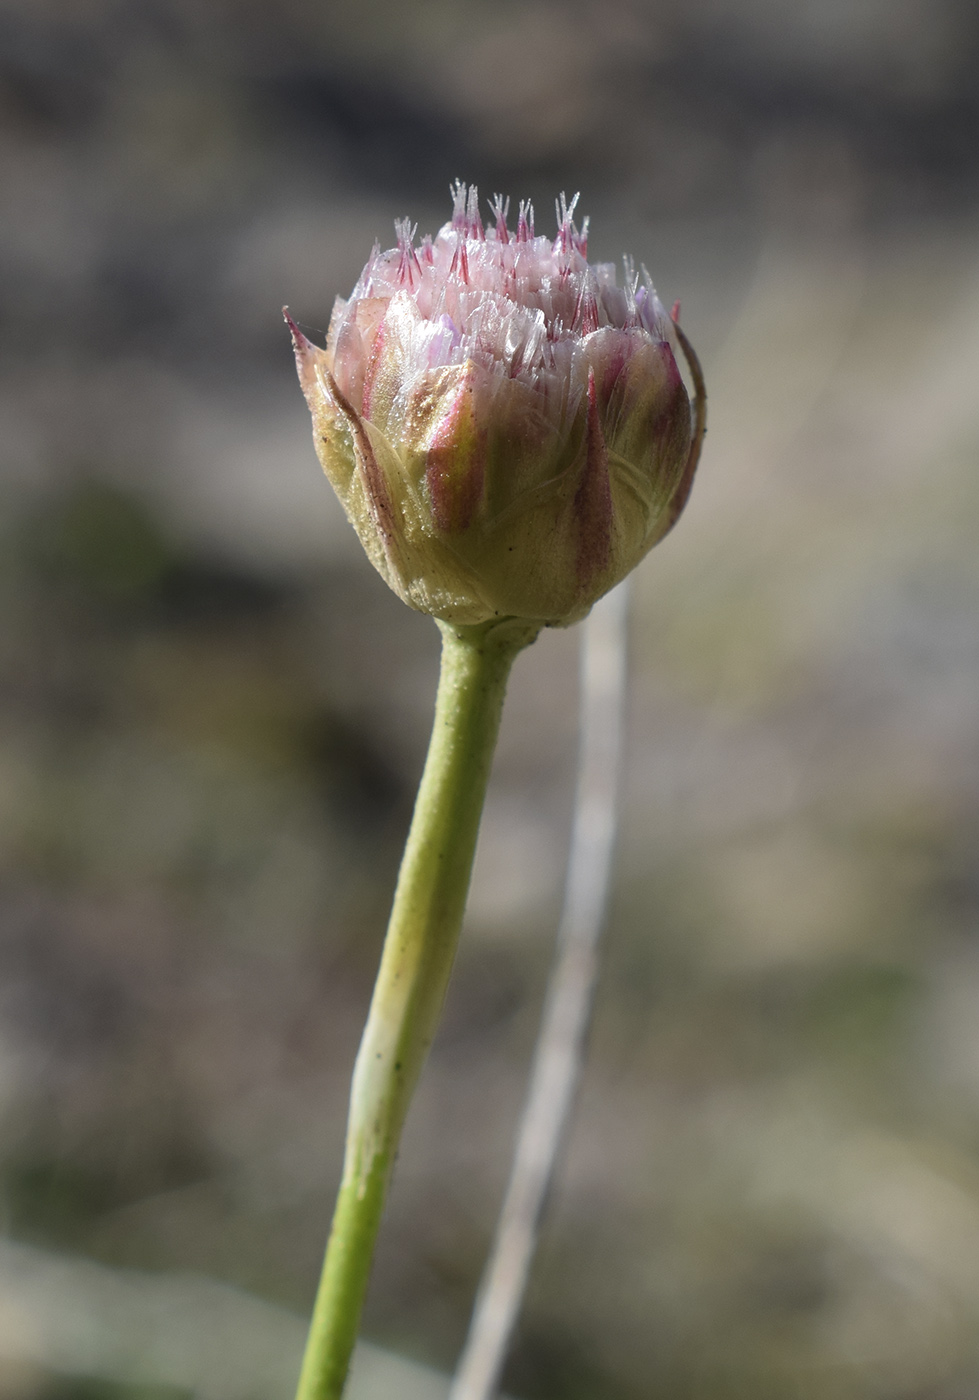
458,191
586,312
566,231
581,239
525,222
459,267
408,263
473,221
501,207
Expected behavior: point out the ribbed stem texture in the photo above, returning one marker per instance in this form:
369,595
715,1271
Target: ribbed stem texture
560,1050
419,950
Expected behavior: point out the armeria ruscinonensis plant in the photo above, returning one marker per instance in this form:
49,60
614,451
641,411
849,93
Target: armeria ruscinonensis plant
508,432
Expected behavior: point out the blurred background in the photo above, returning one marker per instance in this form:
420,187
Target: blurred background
213,714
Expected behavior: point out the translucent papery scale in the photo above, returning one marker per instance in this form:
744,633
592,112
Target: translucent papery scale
530,273
519,308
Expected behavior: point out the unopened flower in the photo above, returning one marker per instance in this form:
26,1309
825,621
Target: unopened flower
505,426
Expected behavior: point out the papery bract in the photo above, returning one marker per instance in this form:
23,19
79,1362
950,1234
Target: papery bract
505,426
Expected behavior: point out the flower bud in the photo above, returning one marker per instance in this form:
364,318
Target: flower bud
506,427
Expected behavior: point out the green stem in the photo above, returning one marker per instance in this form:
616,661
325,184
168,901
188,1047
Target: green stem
418,953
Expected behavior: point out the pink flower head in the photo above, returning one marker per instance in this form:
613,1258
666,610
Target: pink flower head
504,424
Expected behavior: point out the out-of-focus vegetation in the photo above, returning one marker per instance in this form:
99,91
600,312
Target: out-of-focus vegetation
212,713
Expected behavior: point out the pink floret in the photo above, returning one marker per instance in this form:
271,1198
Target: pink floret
518,305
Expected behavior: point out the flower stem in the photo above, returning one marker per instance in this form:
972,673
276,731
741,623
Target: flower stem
415,965
560,1050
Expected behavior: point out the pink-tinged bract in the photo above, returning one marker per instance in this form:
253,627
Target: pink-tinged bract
505,426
